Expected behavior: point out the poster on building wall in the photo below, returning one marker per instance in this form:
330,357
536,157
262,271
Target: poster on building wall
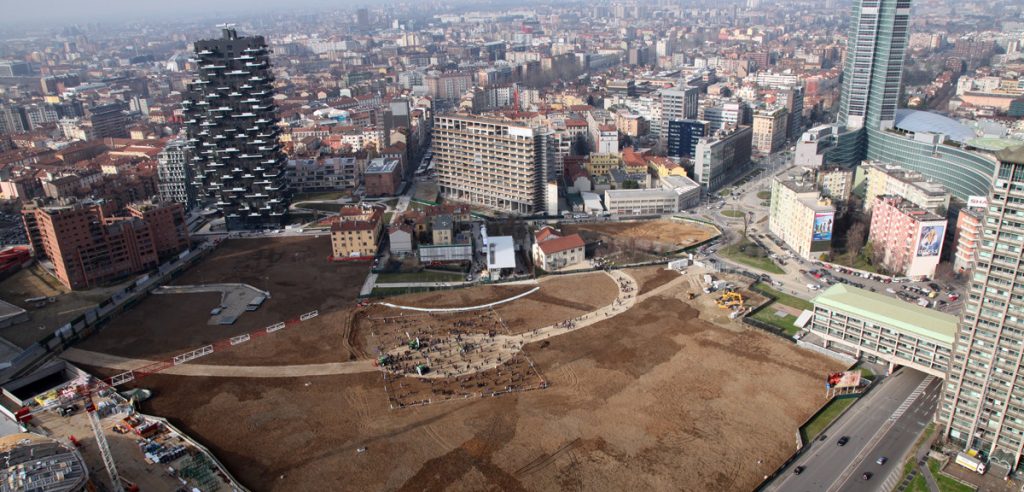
930,241
823,227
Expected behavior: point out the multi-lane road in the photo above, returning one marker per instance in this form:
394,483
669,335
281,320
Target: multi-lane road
885,422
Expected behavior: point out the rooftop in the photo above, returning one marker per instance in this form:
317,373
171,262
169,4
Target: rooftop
927,122
890,311
381,165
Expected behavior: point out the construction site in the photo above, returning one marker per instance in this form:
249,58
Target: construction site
623,243
604,380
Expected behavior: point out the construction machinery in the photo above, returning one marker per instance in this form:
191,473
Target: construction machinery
730,299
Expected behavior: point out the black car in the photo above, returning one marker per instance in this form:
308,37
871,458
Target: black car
798,470
843,440
867,476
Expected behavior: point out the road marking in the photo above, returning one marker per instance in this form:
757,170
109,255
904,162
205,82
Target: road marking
884,429
910,399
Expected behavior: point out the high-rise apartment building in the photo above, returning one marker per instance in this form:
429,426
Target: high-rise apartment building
878,36
492,162
174,174
232,131
983,403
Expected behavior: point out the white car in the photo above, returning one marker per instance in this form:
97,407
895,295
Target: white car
813,286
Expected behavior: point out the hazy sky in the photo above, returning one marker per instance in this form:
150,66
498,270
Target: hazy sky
70,11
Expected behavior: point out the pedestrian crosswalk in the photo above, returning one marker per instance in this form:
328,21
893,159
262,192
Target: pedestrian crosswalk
910,399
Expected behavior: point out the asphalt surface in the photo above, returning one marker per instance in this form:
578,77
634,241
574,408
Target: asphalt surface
885,422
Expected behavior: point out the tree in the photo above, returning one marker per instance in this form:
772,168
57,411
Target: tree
855,240
630,184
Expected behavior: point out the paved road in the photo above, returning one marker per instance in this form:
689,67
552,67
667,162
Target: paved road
885,422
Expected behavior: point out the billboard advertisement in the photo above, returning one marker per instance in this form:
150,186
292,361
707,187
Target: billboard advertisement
840,380
977,202
823,227
930,241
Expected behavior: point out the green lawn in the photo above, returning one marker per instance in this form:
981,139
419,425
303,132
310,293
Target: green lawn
791,301
764,195
736,214
829,414
735,253
424,276
946,484
321,195
918,484
785,323
725,192
860,263
866,373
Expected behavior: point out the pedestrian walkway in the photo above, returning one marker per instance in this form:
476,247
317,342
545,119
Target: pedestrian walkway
626,299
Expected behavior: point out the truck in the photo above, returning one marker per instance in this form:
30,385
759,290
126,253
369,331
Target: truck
970,462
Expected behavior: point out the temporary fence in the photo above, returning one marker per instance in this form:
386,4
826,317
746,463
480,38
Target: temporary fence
205,350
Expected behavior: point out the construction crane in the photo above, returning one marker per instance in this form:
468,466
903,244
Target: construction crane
101,439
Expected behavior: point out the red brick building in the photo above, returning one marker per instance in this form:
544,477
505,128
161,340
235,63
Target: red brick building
382,177
89,245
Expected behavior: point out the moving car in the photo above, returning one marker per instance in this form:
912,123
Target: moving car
881,460
867,475
843,440
798,470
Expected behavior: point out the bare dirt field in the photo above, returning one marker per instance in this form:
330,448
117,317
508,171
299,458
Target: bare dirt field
632,242
652,277
653,399
299,278
469,296
560,297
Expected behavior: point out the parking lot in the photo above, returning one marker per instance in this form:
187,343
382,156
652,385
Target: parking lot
945,298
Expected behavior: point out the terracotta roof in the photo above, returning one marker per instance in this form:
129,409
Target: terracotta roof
557,244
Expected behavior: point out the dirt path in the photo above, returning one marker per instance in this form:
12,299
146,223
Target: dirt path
494,349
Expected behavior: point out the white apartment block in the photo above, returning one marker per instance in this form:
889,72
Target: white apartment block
497,163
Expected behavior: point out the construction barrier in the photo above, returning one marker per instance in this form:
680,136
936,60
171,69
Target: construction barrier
240,339
191,355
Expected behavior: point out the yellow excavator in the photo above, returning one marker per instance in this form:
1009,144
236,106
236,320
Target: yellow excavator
729,299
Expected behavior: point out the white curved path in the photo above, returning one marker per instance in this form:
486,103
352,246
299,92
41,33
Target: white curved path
626,299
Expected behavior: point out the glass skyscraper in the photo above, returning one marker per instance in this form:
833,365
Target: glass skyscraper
868,126
875,49
983,403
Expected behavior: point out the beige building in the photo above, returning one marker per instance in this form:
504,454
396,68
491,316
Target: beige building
836,184
769,130
799,215
885,179
497,163
356,232
552,252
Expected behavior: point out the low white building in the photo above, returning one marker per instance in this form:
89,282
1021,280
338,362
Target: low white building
400,238
646,202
